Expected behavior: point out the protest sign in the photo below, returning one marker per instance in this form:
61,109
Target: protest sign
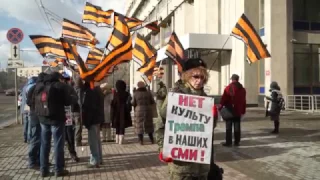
189,128
68,116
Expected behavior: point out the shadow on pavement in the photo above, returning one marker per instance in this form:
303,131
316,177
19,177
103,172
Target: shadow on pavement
260,145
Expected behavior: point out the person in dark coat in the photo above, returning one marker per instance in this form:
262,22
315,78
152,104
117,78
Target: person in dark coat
275,104
143,115
92,116
121,111
234,95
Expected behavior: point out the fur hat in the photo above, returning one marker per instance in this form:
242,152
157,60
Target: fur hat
193,63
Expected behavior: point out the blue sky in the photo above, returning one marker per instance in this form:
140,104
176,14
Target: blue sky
30,18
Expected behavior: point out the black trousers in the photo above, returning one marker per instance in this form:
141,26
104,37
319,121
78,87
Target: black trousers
120,131
70,138
235,122
140,137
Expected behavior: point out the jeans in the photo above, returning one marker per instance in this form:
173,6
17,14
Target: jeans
94,141
70,140
26,126
237,130
78,131
57,131
34,141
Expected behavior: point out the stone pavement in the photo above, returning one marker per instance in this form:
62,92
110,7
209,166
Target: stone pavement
293,154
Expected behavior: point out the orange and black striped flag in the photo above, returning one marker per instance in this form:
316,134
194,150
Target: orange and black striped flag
122,51
135,24
245,31
72,54
95,15
94,58
175,51
80,34
148,69
48,46
142,51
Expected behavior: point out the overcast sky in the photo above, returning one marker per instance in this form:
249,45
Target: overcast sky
26,15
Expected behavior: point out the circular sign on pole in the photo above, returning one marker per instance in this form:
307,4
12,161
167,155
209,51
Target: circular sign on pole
15,35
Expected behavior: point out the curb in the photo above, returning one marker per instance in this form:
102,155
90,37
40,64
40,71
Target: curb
7,124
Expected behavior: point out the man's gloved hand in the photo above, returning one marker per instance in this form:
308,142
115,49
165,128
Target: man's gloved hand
165,160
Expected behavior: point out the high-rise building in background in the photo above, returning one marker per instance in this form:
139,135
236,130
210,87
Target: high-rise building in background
288,28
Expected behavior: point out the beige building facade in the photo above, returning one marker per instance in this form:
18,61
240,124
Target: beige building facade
288,28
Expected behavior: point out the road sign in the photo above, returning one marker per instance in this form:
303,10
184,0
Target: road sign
15,35
15,52
15,63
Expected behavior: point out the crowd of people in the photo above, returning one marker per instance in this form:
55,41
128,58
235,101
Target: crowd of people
57,106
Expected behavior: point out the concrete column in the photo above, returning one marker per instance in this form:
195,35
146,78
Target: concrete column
250,73
206,16
278,34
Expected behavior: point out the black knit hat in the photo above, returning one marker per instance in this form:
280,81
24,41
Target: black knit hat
235,77
193,63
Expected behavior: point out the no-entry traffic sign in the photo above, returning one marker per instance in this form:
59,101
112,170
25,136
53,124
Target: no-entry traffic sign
15,35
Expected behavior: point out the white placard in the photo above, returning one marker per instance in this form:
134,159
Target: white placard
189,128
68,116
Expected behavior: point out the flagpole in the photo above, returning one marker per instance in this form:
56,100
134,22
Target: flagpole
215,60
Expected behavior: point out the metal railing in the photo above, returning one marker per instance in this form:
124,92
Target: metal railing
316,102
300,102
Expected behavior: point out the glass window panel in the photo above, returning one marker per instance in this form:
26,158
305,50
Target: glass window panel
261,13
302,69
301,48
299,11
315,69
313,10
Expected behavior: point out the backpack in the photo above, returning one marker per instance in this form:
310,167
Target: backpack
44,101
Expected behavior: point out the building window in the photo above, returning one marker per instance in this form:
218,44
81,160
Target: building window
261,16
306,67
306,15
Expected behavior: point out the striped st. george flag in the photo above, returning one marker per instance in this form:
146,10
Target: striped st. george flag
94,58
73,57
175,51
48,46
78,33
95,15
143,51
245,31
120,46
148,69
135,24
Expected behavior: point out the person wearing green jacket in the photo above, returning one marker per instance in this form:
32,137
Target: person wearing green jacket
193,79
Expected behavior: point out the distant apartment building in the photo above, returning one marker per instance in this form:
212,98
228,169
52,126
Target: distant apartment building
289,28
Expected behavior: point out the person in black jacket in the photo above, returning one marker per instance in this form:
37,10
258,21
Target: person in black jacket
54,124
92,116
275,104
70,122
